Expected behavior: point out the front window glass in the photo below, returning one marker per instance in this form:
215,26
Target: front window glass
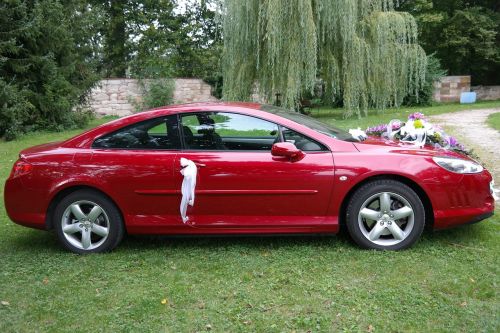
157,133
301,141
310,122
227,131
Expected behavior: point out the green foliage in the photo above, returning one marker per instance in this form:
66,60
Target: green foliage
149,39
363,50
155,93
44,69
433,73
463,34
116,47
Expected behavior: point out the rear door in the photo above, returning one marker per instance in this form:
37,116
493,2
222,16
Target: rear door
241,185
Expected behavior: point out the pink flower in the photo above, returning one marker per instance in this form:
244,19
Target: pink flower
416,116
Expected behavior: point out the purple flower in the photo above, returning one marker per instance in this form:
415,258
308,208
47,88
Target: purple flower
416,116
376,130
452,141
396,125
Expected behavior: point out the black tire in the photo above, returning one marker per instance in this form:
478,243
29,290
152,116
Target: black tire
360,227
110,218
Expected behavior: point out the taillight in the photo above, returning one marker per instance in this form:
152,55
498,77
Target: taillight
21,168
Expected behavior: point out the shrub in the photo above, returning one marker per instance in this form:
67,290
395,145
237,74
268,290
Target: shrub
155,93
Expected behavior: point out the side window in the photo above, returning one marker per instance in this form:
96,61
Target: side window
228,131
301,141
157,133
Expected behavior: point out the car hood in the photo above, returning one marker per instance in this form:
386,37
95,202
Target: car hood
377,144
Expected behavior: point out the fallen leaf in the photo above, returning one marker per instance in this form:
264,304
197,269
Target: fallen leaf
472,280
45,280
369,329
247,322
164,301
464,303
5,303
208,327
201,305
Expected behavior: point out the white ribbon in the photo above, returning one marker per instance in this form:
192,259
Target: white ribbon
358,134
189,171
494,192
416,136
390,133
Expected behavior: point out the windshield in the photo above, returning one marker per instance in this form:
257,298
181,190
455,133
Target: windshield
310,122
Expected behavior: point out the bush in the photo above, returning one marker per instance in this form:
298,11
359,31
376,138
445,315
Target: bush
155,93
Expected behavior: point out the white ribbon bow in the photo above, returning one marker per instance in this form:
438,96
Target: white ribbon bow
189,171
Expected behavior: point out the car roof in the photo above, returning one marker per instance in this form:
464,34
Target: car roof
244,107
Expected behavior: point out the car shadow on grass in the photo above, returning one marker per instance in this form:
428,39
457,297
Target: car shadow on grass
35,241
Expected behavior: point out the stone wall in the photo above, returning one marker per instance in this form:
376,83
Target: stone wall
487,93
115,96
449,88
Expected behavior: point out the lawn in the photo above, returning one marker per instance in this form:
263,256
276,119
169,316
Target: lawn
335,116
494,121
447,282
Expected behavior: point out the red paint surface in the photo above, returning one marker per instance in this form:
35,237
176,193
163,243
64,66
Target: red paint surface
237,191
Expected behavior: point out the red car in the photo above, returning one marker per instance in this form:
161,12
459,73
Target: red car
240,168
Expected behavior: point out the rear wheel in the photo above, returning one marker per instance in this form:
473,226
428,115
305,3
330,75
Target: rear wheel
88,222
385,215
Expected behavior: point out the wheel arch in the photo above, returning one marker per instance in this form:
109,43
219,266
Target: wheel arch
68,190
429,212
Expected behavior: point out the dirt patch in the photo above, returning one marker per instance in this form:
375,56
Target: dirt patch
470,128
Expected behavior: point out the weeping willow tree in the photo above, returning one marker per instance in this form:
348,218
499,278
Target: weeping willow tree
365,52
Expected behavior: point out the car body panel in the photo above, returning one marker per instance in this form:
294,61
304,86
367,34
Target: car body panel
238,191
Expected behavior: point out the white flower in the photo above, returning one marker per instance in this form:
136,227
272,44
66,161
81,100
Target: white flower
358,134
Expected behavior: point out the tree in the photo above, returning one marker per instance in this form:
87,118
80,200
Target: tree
463,34
115,48
44,71
364,51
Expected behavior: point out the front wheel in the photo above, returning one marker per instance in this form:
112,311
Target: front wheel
88,222
385,215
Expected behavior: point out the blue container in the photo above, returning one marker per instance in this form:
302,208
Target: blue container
467,97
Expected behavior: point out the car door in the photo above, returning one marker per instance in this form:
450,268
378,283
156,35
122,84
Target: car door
241,185
137,165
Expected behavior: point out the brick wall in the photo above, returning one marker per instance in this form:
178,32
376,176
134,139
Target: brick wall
487,93
449,88
115,96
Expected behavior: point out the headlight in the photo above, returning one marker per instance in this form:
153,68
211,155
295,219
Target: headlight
458,165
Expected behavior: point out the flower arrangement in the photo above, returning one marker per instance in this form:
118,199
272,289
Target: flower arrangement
419,132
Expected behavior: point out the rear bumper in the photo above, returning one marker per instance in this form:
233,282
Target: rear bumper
23,206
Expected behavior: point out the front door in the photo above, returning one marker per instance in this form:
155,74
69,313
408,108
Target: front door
241,185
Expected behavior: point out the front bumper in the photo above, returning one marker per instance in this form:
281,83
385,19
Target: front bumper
467,201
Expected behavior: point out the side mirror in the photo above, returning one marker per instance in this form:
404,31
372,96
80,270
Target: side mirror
287,149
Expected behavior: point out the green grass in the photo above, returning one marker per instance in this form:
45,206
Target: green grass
447,282
494,120
335,116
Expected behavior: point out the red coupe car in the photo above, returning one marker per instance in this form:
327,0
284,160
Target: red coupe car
240,168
